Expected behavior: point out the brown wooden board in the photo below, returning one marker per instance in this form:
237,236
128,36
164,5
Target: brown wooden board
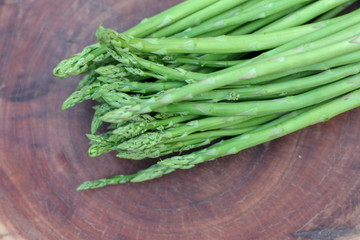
303,186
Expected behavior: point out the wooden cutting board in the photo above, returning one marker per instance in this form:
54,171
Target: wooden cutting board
302,186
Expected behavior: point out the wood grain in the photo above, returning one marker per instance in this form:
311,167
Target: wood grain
302,186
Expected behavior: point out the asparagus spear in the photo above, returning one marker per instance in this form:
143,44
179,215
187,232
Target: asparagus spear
164,149
247,28
201,62
256,108
106,142
263,22
187,143
179,74
100,145
222,44
346,27
247,72
152,139
125,61
260,10
322,78
99,111
143,87
257,24
350,58
335,12
246,6
304,14
81,95
113,71
163,72
134,129
197,17
81,62
316,115
167,17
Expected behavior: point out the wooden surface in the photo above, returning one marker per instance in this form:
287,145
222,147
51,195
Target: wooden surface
302,186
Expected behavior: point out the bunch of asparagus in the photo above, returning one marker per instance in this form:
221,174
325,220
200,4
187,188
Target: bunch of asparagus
217,76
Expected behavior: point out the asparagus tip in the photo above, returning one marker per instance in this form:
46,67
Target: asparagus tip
105,35
105,182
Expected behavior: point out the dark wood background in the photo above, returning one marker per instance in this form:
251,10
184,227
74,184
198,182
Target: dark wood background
302,186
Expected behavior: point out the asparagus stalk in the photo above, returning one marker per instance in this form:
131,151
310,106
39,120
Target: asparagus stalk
238,10
167,17
211,135
164,149
241,122
119,65
235,12
134,129
304,14
179,74
247,72
314,44
99,111
221,44
248,5
321,113
260,10
109,94
143,87
257,24
222,132
81,95
117,99
107,142
194,141
81,62
282,77
178,144
152,139
198,17
189,76
335,12
245,29
164,72
112,71
321,66
346,27
209,63
256,108
263,22
99,146
280,87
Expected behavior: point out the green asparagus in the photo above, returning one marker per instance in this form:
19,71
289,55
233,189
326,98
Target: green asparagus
206,79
